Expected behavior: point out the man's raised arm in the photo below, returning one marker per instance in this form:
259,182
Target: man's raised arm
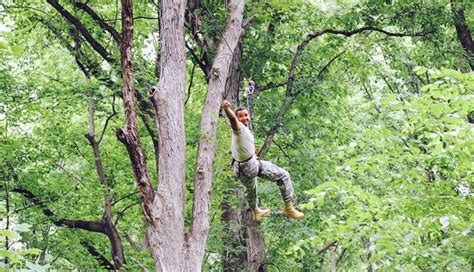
234,122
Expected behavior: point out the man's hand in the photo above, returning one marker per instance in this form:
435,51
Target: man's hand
234,123
225,104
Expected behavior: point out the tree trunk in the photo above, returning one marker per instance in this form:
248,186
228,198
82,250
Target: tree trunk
166,229
334,259
172,248
199,229
233,255
256,253
463,32
6,260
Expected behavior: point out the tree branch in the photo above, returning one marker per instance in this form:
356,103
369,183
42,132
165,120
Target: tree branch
271,85
326,247
94,226
98,162
103,261
129,136
197,59
107,120
463,32
87,35
100,21
290,95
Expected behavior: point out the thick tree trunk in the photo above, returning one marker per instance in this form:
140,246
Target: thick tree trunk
463,32
256,254
233,255
172,249
197,235
166,231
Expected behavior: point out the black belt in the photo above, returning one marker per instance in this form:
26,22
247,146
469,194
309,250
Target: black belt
234,160
240,162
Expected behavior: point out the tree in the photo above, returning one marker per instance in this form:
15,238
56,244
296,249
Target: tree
341,101
172,246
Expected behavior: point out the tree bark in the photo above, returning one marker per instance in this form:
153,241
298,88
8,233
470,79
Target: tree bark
463,32
199,229
334,259
109,228
166,231
256,253
172,248
233,255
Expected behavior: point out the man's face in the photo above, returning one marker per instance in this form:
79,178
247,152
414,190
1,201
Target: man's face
244,118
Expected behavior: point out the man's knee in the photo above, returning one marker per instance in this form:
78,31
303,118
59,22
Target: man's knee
284,174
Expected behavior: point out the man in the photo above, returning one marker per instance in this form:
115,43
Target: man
248,166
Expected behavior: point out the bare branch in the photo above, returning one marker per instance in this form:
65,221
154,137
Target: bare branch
94,226
142,266
87,35
100,21
190,85
271,85
103,261
197,59
290,95
122,212
370,97
108,119
124,197
326,247
68,173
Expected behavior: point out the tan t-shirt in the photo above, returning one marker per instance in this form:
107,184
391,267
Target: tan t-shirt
243,146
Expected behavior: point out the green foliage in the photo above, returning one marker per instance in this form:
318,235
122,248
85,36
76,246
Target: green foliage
402,192
18,258
379,145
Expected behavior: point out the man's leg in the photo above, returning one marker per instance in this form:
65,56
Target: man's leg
251,191
272,172
247,174
279,175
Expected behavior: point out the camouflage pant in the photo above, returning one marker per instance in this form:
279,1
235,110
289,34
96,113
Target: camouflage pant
247,172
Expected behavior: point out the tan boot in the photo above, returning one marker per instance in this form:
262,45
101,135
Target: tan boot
258,214
290,211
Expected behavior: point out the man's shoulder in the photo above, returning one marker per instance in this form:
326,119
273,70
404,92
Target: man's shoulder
240,125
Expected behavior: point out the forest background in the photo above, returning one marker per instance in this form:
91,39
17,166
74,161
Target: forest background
368,104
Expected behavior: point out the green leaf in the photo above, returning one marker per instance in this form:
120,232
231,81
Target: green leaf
7,233
34,251
17,51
